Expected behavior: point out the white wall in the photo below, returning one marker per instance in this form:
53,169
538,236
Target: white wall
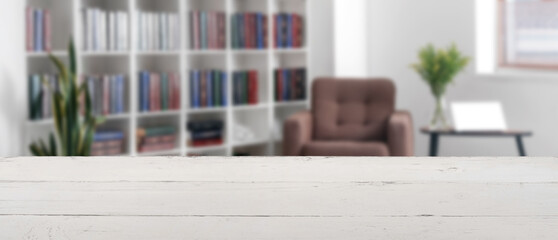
350,38
12,77
398,28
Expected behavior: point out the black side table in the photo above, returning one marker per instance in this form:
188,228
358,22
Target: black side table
435,135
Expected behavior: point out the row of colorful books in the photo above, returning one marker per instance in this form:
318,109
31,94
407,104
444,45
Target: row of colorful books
104,30
290,84
288,30
208,88
41,87
107,93
38,29
159,91
160,138
207,30
108,143
245,87
158,31
249,30
205,133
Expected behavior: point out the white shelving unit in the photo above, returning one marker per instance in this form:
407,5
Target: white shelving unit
265,119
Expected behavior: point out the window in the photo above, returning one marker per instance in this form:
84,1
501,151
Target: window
528,35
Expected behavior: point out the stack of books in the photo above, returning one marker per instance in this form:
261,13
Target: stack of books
206,133
249,30
245,87
208,88
38,29
108,143
290,84
41,89
207,30
158,31
107,93
156,138
288,30
159,91
104,31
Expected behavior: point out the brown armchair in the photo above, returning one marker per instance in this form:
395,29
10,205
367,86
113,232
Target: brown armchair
350,117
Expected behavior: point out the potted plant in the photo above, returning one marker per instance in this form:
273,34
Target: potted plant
438,68
74,133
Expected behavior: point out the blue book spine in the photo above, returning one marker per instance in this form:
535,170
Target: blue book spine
197,89
209,88
241,32
289,30
224,89
107,136
38,30
140,95
192,90
286,88
121,94
278,20
259,23
144,94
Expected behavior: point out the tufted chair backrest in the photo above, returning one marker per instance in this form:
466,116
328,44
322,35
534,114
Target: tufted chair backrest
352,109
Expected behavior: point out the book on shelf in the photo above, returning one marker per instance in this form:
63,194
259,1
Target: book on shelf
288,30
158,31
245,87
160,138
249,31
107,93
104,30
159,91
38,30
208,88
207,30
205,133
107,143
290,84
41,88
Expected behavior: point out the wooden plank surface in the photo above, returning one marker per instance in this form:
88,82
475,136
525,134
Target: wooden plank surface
279,198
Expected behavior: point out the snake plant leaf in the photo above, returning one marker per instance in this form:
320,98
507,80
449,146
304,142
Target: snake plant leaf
36,150
72,54
53,145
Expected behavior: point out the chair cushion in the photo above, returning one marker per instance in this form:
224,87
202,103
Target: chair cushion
345,148
352,109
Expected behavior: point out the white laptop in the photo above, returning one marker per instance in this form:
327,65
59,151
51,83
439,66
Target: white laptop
478,116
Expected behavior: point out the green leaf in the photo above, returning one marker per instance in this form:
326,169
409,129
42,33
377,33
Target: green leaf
72,54
53,147
35,150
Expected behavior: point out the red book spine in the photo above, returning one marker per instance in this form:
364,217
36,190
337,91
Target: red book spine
106,95
48,31
253,87
152,93
158,92
210,28
254,30
222,42
196,24
279,85
29,28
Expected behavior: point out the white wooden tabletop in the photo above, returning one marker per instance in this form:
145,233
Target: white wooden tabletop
278,198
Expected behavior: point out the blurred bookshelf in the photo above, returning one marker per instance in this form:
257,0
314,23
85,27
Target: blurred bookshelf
263,117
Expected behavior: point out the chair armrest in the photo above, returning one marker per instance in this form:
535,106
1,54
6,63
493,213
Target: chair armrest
297,131
400,134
